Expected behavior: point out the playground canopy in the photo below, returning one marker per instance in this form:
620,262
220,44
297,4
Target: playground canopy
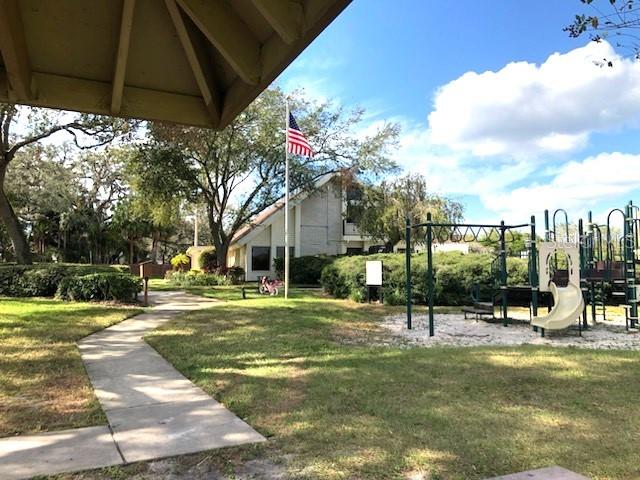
196,62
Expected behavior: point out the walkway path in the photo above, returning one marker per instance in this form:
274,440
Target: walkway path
152,409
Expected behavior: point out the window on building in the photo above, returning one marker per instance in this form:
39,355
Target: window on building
354,251
260,258
352,212
280,252
354,192
354,197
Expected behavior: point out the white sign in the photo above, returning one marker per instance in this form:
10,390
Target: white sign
374,273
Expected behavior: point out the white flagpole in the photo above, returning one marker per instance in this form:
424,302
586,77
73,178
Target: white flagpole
195,228
286,202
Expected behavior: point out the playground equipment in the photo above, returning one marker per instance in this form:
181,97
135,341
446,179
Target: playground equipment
609,264
567,308
568,302
470,232
600,268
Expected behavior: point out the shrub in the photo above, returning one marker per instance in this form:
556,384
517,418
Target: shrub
195,278
100,287
304,270
455,275
234,275
208,261
42,280
181,262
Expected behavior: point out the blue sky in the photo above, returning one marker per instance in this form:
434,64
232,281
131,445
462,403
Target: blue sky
500,109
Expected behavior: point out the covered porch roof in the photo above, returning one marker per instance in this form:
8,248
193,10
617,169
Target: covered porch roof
195,62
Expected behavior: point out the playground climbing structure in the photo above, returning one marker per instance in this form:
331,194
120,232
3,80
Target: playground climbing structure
599,270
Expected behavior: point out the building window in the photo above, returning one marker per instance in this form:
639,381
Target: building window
280,252
354,199
354,192
354,251
260,260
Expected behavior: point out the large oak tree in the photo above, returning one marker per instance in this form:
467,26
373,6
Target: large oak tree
21,127
239,171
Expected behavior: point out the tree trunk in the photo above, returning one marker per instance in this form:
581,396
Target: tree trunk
11,222
131,252
154,247
221,253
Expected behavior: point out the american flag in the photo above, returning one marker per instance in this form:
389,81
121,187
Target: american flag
297,142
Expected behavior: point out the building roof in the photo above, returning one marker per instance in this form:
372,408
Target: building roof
268,215
196,62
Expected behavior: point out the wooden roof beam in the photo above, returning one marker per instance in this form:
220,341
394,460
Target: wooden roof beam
229,34
14,50
122,55
197,58
94,97
284,16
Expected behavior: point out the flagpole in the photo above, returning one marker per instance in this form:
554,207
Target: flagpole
195,228
286,201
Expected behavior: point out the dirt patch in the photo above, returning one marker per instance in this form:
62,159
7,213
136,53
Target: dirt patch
219,465
455,330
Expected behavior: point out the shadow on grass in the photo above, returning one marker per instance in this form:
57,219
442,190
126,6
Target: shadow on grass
43,383
365,412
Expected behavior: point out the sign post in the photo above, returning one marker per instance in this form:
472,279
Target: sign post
373,270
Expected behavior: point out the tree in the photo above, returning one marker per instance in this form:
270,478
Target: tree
101,178
86,130
239,171
43,187
380,211
137,218
619,19
130,224
515,242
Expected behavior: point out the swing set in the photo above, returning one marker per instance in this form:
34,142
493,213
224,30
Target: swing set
606,268
470,232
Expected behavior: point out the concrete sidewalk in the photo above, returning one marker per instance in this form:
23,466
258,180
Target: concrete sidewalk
549,473
152,409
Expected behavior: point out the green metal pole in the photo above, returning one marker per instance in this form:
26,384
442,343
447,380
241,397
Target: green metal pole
633,293
408,266
430,286
547,234
591,263
533,271
582,247
503,274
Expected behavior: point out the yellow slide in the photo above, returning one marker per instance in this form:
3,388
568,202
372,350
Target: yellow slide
567,308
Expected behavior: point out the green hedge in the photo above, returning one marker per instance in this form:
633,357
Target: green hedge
100,287
208,261
304,270
455,276
42,280
195,278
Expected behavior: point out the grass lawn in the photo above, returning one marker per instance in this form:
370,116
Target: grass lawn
339,410
43,383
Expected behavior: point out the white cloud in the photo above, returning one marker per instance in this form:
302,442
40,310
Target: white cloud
576,187
453,173
526,110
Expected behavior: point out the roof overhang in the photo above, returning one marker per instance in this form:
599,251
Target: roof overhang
196,62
